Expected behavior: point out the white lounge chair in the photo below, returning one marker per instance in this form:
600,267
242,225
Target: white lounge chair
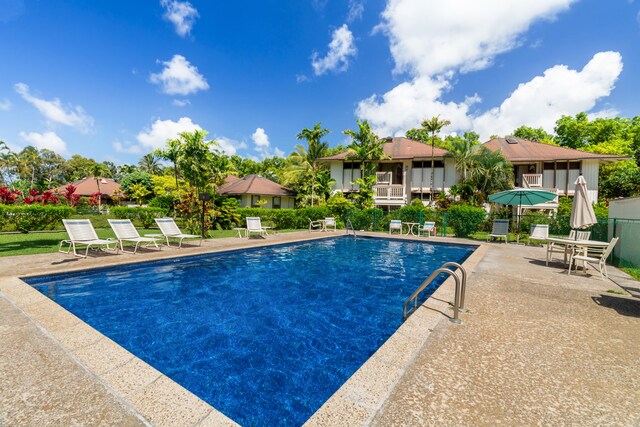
538,232
170,230
427,229
315,225
330,222
500,230
254,225
601,260
395,224
82,233
126,232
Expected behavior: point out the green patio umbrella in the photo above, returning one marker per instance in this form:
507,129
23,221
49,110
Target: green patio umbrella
522,196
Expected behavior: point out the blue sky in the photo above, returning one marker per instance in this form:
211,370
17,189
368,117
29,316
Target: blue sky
114,79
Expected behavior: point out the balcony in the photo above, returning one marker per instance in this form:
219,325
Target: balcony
388,195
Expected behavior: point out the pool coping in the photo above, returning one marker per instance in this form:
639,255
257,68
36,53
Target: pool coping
158,400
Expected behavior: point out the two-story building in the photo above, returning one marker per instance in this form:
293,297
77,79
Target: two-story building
405,172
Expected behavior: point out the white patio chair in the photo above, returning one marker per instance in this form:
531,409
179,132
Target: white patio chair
601,260
170,230
254,225
330,222
538,232
126,232
499,230
315,225
427,229
82,233
395,224
583,235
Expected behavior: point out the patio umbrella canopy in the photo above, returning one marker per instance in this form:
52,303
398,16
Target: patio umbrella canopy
582,214
521,196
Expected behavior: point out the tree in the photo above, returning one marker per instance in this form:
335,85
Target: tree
464,152
150,163
308,157
366,147
433,126
571,132
537,135
171,153
129,180
98,171
491,172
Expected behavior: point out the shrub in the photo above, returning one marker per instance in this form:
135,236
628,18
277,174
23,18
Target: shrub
533,218
368,219
225,213
465,219
143,216
287,218
27,218
164,201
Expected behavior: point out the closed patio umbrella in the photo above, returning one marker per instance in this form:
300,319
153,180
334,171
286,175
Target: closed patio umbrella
521,196
582,214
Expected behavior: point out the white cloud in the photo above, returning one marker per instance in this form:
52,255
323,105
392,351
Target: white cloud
429,37
263,146
127,147
607,113
162,130
341,49
181,14
179,77
181,102
48,140
356,9
409,103
230,146
559,91
55,112
5,105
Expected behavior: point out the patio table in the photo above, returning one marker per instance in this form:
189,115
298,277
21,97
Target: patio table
411,227
575,245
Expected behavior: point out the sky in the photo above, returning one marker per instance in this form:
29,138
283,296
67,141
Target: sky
113,80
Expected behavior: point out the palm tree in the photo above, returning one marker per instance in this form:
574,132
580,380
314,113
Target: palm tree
98,170
433,126
150,163
171,153
365,146
491,173
309,156
464,151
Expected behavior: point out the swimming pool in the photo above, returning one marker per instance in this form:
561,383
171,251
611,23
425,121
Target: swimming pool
265,335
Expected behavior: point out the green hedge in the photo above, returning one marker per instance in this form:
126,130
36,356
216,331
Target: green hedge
142,216
286,218
465,220
27,218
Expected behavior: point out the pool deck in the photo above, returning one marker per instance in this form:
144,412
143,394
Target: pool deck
538,347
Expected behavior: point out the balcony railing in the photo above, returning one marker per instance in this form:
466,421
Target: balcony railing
532,180
389,194
383,177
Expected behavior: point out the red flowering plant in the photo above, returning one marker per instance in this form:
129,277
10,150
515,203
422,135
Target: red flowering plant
70,195
8,197
94,200
48,198
31,198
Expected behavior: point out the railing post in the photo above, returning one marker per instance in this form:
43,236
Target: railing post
444,224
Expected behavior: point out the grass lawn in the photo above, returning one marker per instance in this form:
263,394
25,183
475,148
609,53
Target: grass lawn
48,241
633,272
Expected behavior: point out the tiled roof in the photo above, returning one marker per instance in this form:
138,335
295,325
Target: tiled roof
400,148
522,150
88,186
256,185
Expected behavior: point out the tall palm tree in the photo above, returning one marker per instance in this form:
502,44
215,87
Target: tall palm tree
464,151
171,153
316,149
433,126
365,146
150,163
491,172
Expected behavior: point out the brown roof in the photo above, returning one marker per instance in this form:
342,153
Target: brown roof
256,185
87,186
231,178
522,150
400,148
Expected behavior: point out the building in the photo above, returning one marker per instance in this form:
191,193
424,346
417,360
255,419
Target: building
405,172
253,188
88,186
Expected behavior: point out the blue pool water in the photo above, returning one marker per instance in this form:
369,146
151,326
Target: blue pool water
265,335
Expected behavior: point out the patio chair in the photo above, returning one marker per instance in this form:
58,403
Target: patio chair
395,224
538,232
427,229
126,232
583,235
330,222
254,225
82,233
315,225
601,260
499,230
170,230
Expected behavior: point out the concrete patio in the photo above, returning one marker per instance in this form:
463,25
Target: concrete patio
538,347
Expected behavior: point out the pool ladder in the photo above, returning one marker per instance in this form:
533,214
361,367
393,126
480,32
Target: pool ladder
461,284
349,227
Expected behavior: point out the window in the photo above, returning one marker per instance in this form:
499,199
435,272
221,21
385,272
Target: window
351,165
549,166
277,202
427,164
254,201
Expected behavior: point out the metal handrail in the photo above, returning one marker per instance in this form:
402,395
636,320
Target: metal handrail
463,285
349,226
414,296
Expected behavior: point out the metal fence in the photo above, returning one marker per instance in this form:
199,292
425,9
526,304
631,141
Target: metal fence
627,251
